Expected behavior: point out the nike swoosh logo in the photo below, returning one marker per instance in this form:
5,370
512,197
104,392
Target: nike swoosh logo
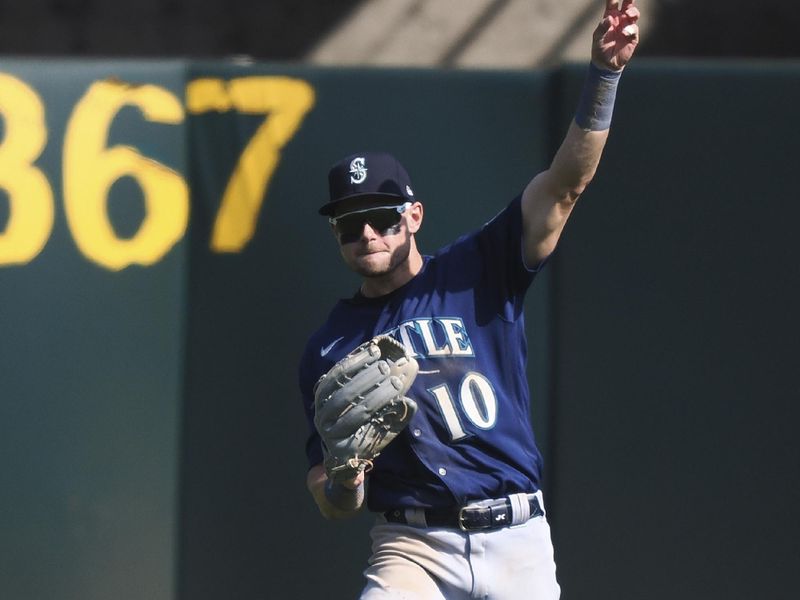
329,347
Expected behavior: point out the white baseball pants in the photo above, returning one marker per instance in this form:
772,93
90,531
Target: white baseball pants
413,563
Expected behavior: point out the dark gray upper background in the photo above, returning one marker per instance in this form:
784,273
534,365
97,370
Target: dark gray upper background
288,29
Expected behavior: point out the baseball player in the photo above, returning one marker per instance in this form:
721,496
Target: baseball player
450,468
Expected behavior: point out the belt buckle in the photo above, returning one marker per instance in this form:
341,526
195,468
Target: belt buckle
461,512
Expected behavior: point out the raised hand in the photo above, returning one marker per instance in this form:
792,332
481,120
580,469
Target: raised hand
617,35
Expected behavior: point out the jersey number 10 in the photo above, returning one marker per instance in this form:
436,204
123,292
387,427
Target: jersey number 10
478,402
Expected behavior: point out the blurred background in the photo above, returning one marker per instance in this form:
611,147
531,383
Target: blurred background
434,33
151,437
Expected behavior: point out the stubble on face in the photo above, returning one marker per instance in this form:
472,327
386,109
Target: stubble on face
375,259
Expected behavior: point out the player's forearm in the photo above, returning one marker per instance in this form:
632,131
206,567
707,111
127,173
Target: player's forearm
575,163
335,501
614,40
548,200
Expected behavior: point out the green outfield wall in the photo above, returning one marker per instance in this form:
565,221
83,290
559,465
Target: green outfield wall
92,351
162,263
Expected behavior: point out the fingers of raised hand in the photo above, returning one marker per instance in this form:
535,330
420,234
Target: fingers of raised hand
603,27
624,23
618,5
622,8
631,31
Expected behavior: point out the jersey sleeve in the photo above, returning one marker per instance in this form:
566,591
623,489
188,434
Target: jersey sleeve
494,254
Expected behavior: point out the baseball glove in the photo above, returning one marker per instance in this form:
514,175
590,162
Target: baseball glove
361,405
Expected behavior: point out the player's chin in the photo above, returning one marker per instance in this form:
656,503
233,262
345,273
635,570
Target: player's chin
371,265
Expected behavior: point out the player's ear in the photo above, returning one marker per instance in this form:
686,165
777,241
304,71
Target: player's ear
415,214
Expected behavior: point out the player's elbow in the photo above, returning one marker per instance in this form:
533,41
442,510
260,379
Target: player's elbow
569,183
579,186
559,189
569,196
572,187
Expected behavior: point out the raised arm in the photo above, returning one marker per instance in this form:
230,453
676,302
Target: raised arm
550,197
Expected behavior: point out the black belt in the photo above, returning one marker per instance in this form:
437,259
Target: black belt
495,515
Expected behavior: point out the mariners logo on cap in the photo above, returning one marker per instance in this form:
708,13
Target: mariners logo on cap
358,172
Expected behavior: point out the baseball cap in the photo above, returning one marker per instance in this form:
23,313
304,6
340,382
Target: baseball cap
368,175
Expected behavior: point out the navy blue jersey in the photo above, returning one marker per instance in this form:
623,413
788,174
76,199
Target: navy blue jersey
462,317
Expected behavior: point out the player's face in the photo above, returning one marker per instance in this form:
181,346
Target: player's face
375,240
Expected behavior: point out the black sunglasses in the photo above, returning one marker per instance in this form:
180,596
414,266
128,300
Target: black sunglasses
385,220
